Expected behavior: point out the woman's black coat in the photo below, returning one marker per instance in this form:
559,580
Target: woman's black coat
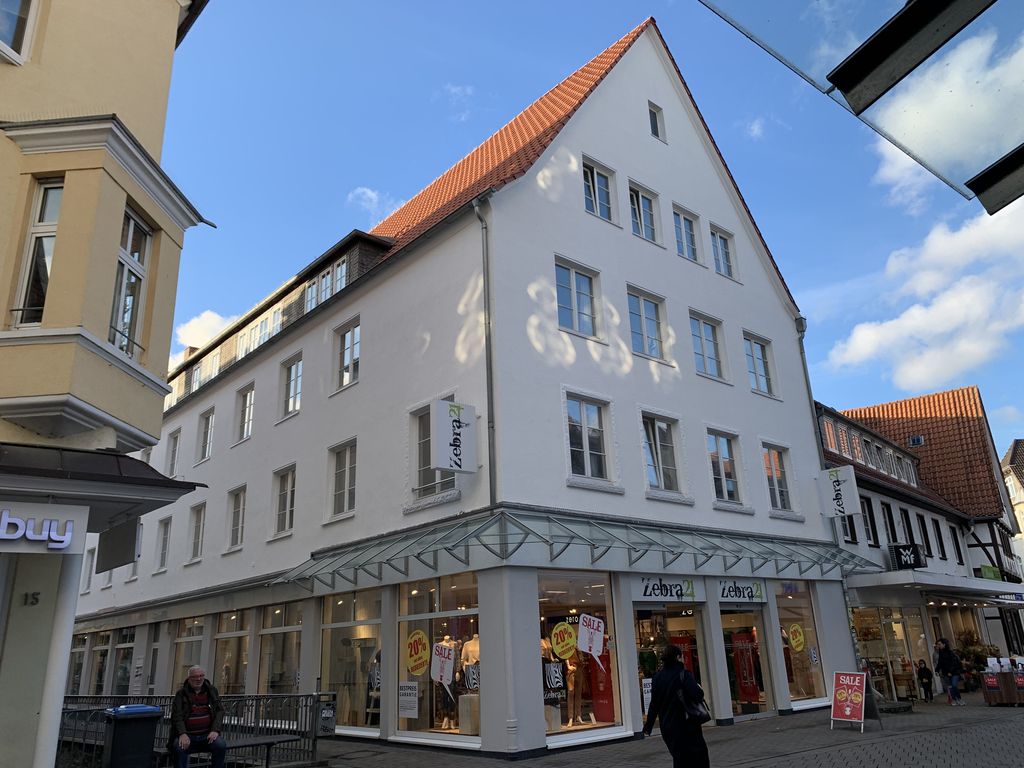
684,738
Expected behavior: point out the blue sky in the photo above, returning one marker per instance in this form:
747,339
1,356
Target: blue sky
289,129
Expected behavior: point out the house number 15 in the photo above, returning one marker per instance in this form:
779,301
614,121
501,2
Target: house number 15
30,598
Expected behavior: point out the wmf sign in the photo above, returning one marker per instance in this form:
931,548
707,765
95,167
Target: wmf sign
452,436
906,556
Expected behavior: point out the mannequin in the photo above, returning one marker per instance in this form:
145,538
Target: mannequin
574,683
446,705
546,654
471,650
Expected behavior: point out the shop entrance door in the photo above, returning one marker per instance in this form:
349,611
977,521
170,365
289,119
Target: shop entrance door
656,626
749,678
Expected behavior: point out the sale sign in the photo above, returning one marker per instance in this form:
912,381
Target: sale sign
442,664
591,637
417,652
848,690
991,681
1018,679
563,640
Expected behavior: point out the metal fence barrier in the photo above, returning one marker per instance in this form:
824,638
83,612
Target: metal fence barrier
83,726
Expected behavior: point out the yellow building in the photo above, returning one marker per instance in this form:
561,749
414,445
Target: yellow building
91,231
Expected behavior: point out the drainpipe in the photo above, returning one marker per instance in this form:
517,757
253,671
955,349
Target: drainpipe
492,470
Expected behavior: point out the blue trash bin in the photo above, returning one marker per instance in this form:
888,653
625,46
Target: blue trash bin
130,735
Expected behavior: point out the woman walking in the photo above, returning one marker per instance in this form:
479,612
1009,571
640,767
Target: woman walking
951,669
683,735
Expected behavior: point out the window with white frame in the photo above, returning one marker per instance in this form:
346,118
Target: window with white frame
721,247
429,481
132,262
236,522
275,320
15,29
196,526
844,439
849,528
660,453
348,354
758,368
205,436
344,461
723,466
292,385
264,332
246,399
42,238
597,194
926,539
706,353
908,530
856,444
901,471
939,540
657,120
867,513
173,443
890,523
577,304
686,234
643,213
645,324
284,519
163,543
310,295
108,578
774,459
889,462
585,422
954,536
90,564
828,433
133,571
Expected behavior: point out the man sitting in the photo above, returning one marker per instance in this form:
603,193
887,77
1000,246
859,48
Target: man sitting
196,718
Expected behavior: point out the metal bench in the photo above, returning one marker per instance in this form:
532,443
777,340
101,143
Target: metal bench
268,741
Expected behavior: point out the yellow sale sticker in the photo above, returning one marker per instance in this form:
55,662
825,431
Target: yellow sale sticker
563,640
417,652
796,637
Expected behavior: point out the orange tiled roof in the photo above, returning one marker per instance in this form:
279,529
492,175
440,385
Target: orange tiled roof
510,152
958,456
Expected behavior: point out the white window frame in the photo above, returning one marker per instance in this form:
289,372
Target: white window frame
644,213
701,352
291,377
732,442
133,571
867,513
591,172
828,434
751,343
724,252
348,337
246,400
20,56
443,480
684,234
284,500
574,308
655,461
583,402
656,120
775,459
645,301
125,337
163,543
173,449
90,565
204,448
343,498
196,530
236,518
38,230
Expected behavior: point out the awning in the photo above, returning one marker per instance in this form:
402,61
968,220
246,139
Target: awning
939,588
542,538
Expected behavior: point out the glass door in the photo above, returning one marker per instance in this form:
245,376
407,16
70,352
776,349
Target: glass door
894,632
657,626
749,679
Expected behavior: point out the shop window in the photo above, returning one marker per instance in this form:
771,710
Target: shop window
890,641
231,652
187,647
579,692
76,664
124,649
100,654
350,656
280,645
804,672
442,617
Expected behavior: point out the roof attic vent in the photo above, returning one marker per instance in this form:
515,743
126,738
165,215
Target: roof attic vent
915,441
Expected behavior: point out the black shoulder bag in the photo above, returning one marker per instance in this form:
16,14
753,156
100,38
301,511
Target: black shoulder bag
695,710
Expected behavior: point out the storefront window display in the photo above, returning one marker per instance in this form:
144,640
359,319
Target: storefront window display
187,647
749,682
439,656
580,687
231,652
800,647
350,656
658,626
123,652
889,642
76,663
100,654
280,644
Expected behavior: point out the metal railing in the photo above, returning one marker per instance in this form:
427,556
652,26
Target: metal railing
83,726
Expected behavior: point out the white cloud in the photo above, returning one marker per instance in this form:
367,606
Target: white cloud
1009,413
755,128
197,332
961,112
459,98
379,205
966,294
908,181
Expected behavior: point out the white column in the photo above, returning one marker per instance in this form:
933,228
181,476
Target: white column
627,688
57,662
717,674
309,661
388,661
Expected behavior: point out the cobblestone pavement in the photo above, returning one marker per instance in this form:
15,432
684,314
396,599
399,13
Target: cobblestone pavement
932,736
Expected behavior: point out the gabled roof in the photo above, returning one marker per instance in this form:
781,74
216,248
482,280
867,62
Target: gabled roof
513,150
1013,460
958,456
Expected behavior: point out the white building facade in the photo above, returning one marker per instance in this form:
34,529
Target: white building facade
646,460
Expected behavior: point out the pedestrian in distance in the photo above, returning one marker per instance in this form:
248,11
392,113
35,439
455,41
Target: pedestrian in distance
683,735
196,720
925,678
951,669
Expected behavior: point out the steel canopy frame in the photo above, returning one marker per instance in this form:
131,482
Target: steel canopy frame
504,532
